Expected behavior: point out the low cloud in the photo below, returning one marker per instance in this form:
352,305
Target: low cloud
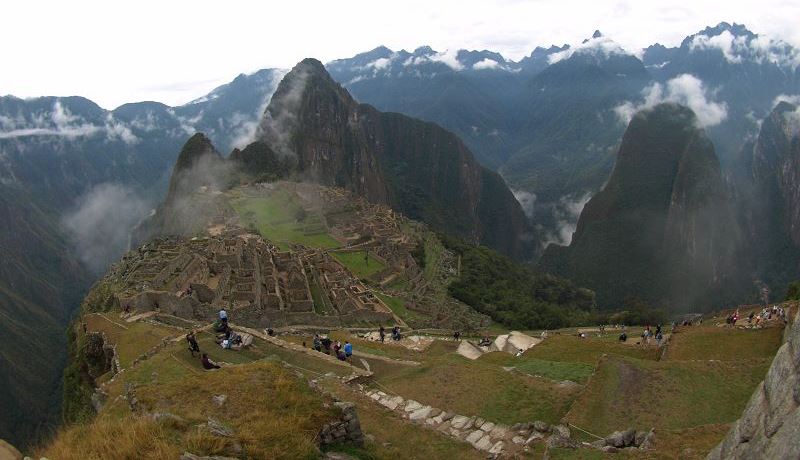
280,117
246,125
759,48
101,223
448,58
486,63
793,99
60,122
598,46
684,89
527,200
566,213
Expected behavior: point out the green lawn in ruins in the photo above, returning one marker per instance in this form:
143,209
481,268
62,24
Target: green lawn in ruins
361,266
627,392
481,388
399,308
280,219
723,343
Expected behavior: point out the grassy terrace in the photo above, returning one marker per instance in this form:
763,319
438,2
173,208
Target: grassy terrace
360,264
280,218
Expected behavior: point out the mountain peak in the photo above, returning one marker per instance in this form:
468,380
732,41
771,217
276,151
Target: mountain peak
597,34
198,146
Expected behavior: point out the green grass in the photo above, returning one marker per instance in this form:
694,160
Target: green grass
361,266
569,348
276,219
480,388
397,305
553,370
627,392
722,343
138,338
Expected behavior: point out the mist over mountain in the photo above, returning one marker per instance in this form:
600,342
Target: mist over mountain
662,229
76,179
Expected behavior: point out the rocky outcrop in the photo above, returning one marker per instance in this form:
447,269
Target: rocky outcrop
417,168
662,228
772,203
344,430
770,424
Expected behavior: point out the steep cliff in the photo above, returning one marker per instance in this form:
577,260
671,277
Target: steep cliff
662,228
416,167
772,204
770,424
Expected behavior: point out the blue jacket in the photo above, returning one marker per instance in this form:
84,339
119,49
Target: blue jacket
348,349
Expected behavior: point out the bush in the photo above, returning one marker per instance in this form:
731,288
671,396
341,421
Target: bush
515,295
793,292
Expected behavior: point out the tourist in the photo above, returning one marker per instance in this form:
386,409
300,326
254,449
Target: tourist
337,346
208,364
341,356
223,316
193,346
456,335
326,344
317,343
658,338
348,349
623,337
382,333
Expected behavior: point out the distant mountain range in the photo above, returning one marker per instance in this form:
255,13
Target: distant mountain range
76,178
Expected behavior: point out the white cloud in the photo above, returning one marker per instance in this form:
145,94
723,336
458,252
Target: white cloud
566,213
684,89
726,42
526,199
759,49
380,63
486,63
62,123
101,222
599,46
246,125
449,58
793,99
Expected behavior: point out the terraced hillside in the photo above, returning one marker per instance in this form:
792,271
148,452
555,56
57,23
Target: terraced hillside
133,384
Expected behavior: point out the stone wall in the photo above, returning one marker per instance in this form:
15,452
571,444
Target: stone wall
770,424
344,430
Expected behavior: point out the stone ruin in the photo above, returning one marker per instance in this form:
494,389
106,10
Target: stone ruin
259,284
514,342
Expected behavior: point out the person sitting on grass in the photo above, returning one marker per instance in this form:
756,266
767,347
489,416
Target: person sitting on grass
348,350
208,364
341,356
193,346
623,337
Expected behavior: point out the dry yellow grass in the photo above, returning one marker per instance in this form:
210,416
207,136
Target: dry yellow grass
272,413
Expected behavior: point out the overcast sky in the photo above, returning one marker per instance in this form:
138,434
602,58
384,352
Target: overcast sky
173,51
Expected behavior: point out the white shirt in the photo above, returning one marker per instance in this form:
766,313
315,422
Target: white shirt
223,314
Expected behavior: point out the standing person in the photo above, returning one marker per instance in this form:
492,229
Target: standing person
348,350
223,316
457,335
326,344
382,332
317,343
193,346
